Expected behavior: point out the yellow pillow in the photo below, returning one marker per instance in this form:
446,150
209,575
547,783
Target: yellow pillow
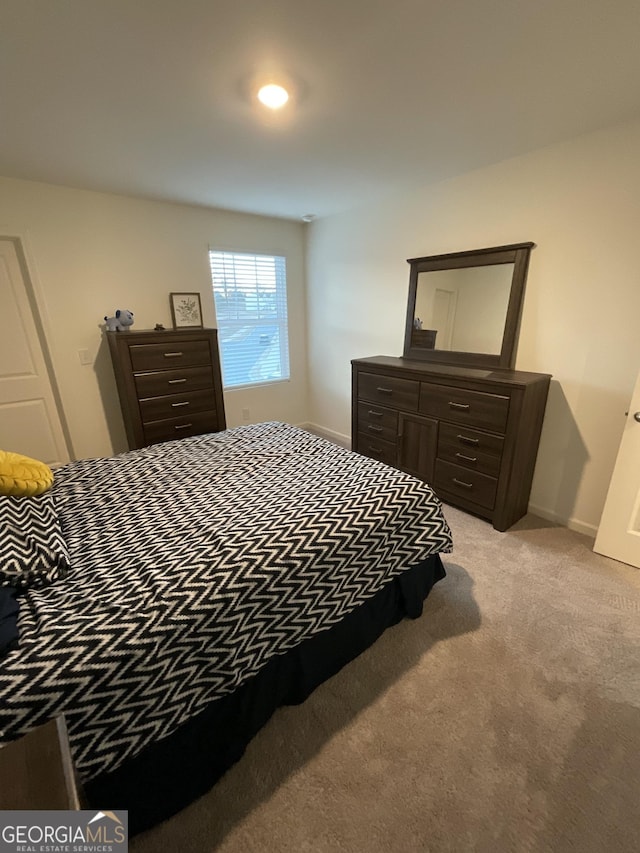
21,476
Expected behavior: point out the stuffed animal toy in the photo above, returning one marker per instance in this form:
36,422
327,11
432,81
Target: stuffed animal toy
121,321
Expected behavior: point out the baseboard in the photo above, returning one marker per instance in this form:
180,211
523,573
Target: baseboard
329,434
572,523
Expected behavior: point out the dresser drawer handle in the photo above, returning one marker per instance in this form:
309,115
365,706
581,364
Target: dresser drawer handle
466,458
384,390
466,440
173,354
373,449
183,426
177,405
374,428
176,381
464,406
461,483
375,414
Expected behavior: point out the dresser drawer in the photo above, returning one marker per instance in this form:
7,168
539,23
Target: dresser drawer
466,439
161,382
475,460
480,451
168,430
176,405
169,355
377,421
389,391
385,451
471,485
488,411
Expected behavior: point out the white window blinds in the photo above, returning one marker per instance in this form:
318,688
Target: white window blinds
250,293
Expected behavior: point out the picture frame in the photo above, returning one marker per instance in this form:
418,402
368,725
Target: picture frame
186,310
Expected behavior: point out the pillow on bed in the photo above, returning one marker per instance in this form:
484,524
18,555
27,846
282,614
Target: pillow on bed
21,475
33,552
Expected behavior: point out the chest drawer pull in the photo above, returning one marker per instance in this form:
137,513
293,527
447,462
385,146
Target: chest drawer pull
466,440
373,449
175,381
467,458
173,354
464,406
462,483
375,414
183,426
384,390
177,405
373,428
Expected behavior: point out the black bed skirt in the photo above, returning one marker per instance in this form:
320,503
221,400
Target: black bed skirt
168,775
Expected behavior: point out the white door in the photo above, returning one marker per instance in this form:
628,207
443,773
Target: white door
444,312
29,418
619,530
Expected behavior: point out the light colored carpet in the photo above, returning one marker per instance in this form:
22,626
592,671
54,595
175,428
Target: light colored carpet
506,719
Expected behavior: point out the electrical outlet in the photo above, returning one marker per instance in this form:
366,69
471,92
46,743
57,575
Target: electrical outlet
84,356
246,414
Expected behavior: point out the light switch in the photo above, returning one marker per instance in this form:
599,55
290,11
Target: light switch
84,356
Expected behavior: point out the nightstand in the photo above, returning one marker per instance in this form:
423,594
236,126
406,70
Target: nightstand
36,771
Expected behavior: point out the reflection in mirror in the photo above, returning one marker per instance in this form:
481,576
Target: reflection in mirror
462,309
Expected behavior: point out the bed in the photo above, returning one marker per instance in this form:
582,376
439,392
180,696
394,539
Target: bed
193,587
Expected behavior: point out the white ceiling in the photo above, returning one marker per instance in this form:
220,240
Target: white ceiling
151,97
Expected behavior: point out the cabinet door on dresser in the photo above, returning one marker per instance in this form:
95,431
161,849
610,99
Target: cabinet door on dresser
169,384
418,443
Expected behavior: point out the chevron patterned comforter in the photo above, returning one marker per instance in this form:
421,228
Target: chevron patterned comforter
192,564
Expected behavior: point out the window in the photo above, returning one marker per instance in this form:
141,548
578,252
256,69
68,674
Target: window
250,292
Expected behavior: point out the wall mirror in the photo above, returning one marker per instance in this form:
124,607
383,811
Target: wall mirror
464,307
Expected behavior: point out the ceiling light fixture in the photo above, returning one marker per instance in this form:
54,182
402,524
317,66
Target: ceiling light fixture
273,96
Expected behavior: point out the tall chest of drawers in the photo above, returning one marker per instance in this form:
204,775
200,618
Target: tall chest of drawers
472,434
169,383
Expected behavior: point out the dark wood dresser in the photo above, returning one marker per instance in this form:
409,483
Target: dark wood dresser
472,434
169,383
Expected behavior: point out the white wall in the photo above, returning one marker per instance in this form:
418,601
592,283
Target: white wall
90,253
580,203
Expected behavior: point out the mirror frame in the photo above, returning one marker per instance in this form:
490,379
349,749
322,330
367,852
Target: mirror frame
517,254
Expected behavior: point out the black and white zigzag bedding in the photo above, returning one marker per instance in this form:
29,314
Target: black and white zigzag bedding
192,564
